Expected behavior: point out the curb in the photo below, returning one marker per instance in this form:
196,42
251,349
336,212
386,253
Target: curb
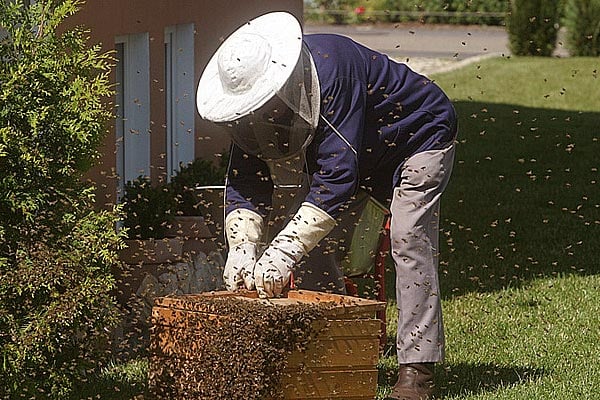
428,66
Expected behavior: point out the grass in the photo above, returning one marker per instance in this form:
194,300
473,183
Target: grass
118,381
526,343
520,228
539,341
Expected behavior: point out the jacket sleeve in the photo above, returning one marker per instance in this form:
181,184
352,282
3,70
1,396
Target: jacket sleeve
336,179
249,183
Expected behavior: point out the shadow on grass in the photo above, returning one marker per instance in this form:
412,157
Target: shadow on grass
468,379
472,379
522,202
112,389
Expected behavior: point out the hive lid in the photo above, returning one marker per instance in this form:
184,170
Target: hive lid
335,304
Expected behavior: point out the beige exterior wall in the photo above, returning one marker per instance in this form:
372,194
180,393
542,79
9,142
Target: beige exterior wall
213,21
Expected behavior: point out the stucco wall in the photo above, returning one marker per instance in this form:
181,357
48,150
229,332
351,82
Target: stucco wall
213,20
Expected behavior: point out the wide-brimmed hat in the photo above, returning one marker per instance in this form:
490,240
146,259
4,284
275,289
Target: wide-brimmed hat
248,69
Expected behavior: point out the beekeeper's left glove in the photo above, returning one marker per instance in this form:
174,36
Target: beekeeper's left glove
274,268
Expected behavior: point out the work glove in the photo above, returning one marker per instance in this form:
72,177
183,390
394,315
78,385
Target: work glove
243,230
274,269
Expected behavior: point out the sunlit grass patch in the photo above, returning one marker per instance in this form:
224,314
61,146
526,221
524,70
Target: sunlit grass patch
561,84
519,343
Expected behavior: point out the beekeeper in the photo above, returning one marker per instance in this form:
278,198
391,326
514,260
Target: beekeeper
329,115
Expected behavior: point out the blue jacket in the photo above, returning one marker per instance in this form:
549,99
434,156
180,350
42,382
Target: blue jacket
386,111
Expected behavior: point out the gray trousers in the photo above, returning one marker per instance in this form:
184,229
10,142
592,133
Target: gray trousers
414,235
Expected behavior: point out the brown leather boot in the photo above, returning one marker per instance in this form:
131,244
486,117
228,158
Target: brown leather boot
415,382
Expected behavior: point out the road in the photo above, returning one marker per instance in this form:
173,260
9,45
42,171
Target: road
426,48
424,41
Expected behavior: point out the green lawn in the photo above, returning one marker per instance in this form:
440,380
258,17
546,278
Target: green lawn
520,232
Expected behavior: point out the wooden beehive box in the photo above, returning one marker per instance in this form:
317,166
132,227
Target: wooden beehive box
339,362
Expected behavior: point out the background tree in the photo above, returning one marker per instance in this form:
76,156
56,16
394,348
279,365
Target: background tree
582,20
56,248
533,27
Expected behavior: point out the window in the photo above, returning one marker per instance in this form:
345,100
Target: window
132,108
180,99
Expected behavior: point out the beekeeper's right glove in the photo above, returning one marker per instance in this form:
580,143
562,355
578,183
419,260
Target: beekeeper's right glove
303,232
243,229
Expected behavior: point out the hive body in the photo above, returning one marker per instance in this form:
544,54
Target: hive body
339,361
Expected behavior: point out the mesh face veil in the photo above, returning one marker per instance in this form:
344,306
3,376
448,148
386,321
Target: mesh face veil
285,124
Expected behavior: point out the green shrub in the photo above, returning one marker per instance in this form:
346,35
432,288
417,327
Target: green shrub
200,172
57,309
56,249
582,20
533,27
148,209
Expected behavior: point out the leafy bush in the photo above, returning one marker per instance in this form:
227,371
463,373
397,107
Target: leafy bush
56,249
582,20
56,308
533,27
148,209
198,173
